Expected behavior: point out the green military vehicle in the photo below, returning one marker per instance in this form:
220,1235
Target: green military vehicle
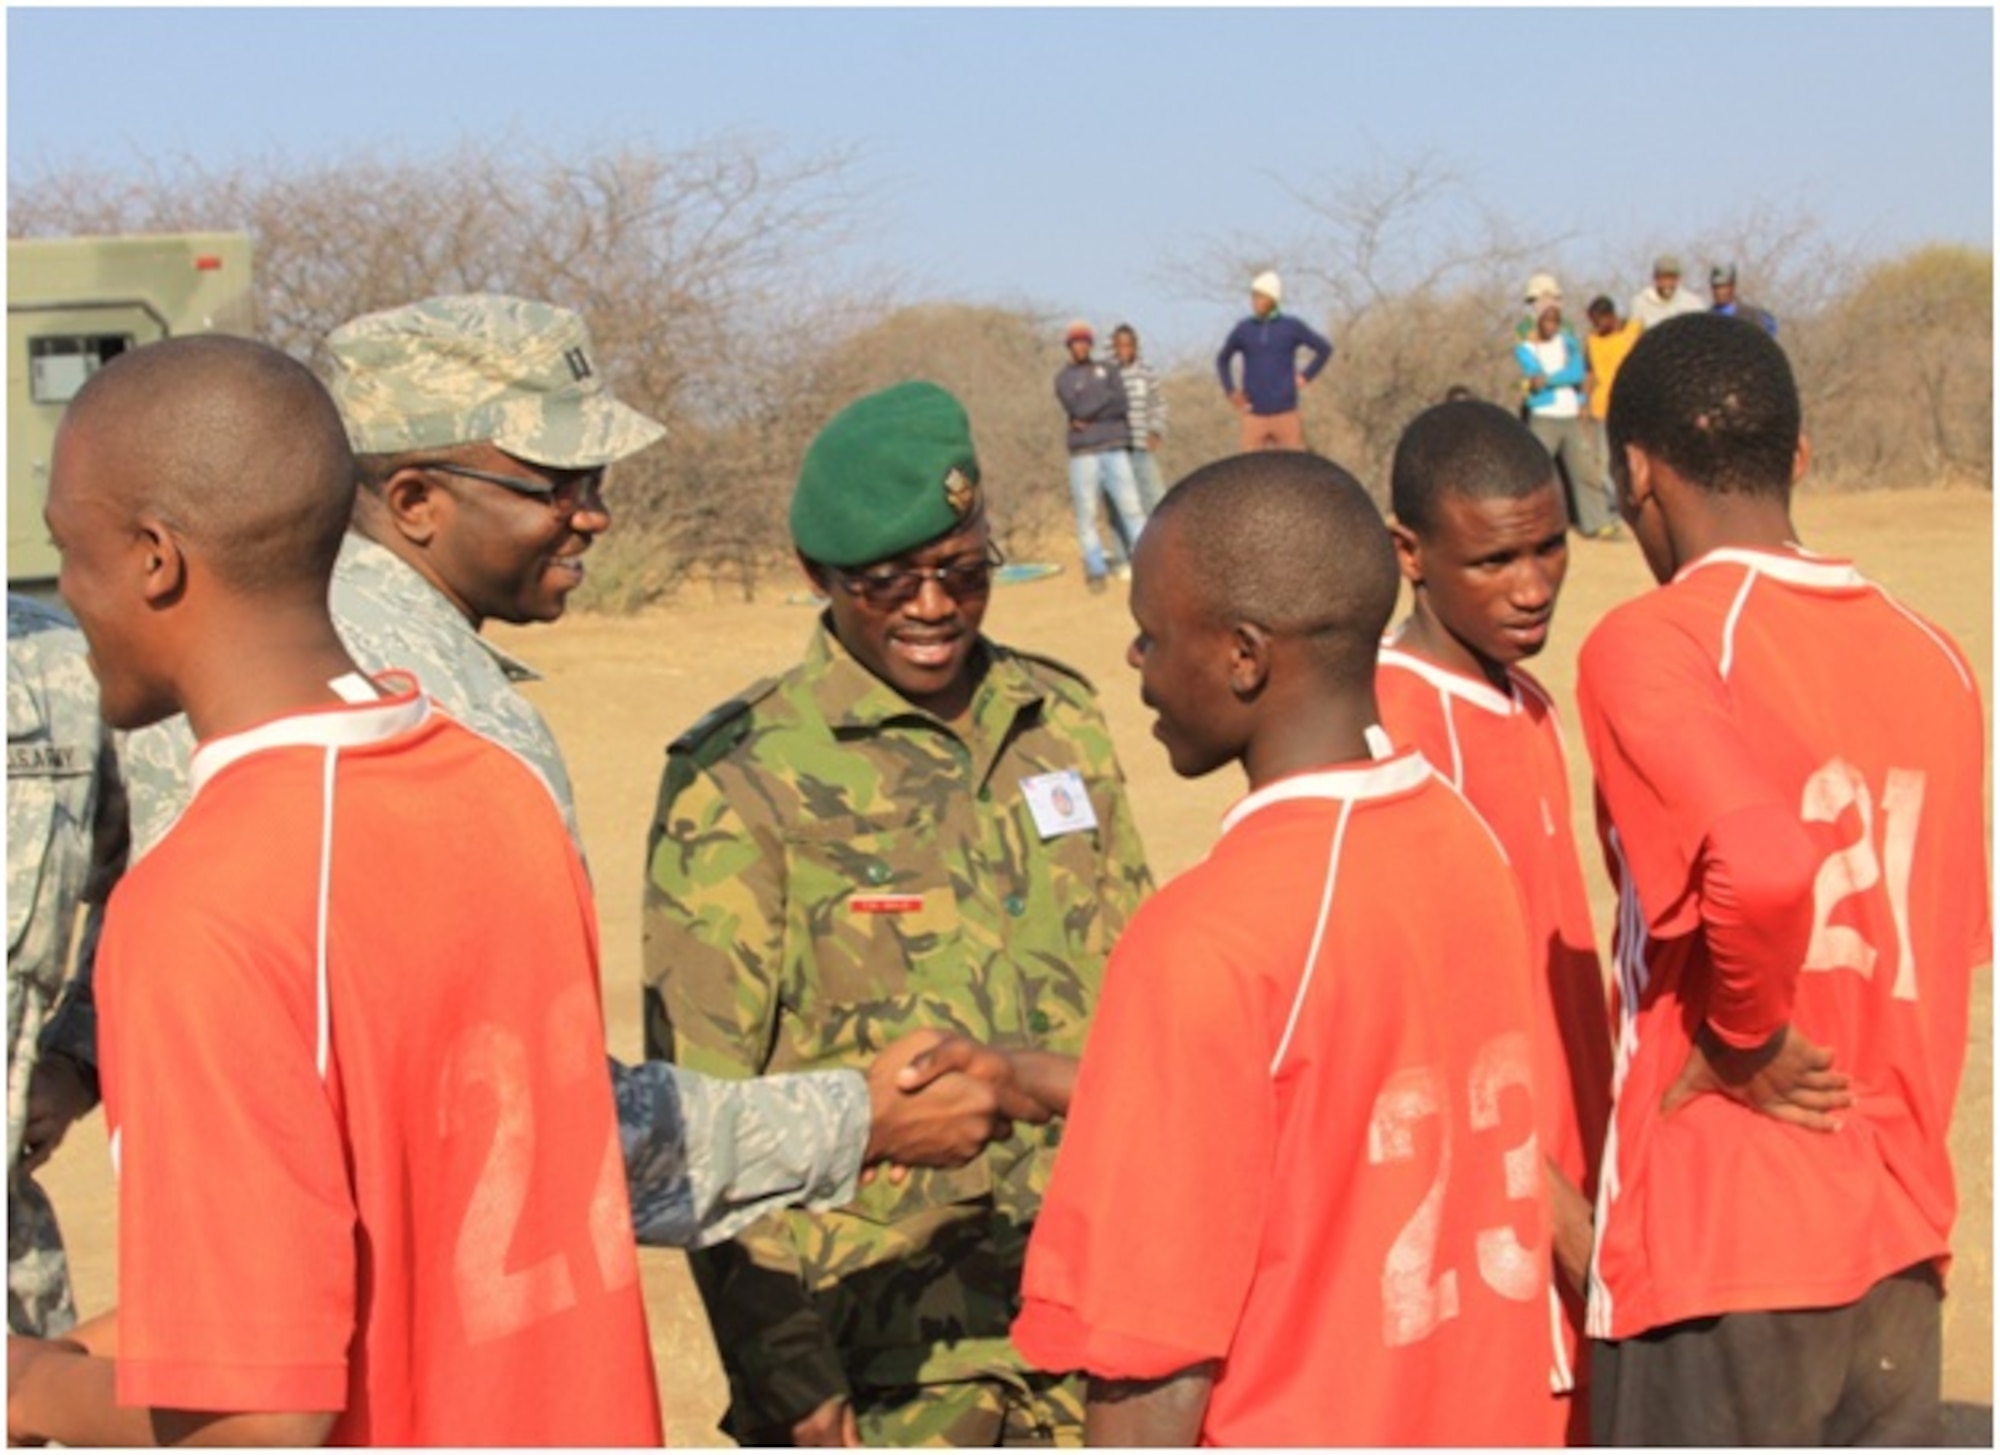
74,303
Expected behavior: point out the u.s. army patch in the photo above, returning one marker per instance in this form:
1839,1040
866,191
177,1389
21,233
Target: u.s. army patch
46,760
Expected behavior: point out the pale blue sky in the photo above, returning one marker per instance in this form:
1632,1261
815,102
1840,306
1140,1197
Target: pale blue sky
1069,159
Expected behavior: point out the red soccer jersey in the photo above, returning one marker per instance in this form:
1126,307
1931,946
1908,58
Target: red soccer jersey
1760,679
1303,1136
354,1070
1504,752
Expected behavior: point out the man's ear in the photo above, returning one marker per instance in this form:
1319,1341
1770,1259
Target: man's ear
1249,659
1409,553
413,502
815,573
163,565
1639,479
1801,458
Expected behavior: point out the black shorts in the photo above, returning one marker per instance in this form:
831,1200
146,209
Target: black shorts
1868,1373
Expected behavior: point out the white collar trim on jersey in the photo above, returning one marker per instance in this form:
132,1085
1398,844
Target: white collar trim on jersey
403,707
1382,779
1477,691
1798,567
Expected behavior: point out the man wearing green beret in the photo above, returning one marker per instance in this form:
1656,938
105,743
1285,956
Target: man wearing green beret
913,827
483,429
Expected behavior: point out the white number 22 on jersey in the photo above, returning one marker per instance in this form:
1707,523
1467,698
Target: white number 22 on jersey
491,1062
1416,1297
1855,868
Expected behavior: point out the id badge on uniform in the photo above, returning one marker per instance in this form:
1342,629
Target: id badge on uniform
1059,802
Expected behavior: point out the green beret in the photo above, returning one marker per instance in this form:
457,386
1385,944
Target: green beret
888,473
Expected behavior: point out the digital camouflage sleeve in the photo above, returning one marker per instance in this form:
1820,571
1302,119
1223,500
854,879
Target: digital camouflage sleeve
65,843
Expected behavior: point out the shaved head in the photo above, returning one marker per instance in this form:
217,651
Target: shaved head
233,445
1467,449
1291,542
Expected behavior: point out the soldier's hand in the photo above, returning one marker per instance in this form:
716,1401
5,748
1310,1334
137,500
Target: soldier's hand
944,1123
832,1423
1787,1078
57,1096
1033,1086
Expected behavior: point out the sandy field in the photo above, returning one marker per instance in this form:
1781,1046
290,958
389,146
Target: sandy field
618,689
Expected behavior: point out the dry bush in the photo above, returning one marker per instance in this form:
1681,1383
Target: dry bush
1897,374
709,277
1406,269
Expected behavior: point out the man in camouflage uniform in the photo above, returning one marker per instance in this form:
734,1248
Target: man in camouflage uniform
483,429
914,826
65,837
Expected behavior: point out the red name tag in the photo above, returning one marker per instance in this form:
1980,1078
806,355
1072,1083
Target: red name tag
885,903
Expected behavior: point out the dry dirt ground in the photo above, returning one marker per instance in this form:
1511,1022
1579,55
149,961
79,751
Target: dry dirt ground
618,689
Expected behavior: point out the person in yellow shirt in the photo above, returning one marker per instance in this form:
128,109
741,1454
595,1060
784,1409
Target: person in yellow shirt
1604,348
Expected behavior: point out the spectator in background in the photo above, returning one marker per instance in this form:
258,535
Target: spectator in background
1551,364
1145,413
1722,289
1663,299
1269,341
1604,348
1093,397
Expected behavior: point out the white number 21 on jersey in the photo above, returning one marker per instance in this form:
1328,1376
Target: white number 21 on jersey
1855,868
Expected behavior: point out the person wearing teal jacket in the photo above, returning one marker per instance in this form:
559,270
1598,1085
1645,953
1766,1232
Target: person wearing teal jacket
1551,361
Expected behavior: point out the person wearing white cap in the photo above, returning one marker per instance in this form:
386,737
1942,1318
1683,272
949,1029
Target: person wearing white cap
1551,362
1269,341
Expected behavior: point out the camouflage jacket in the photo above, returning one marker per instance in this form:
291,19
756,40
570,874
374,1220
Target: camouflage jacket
64,842
828,868
700,1159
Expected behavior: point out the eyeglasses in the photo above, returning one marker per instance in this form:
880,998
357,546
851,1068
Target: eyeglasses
887,587
565,494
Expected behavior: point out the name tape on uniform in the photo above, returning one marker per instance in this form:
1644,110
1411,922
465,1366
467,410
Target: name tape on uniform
885,903
46,760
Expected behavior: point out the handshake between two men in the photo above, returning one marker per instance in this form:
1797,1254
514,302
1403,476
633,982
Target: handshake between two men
936,1099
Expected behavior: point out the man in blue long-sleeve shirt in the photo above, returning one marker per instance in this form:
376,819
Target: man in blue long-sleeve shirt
1269,341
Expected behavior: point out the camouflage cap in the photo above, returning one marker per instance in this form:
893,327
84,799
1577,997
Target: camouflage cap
888,473
473,367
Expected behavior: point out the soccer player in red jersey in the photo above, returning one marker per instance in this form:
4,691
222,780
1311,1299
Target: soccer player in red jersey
1789,767
1482,538
371,1189
1300,1198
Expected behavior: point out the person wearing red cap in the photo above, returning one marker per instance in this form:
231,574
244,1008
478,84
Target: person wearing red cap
1094,402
